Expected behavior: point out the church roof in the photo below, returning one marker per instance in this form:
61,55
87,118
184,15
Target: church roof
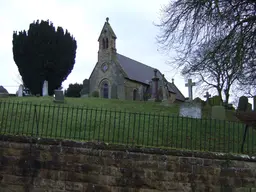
3,90
143,73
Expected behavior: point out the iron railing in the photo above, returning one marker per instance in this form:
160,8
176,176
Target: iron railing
110,126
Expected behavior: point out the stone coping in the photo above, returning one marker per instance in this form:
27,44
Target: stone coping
127,148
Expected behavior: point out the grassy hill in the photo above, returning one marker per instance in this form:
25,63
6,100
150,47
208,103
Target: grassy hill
114,104
111,104
116,121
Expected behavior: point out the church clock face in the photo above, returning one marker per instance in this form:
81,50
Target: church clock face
105,67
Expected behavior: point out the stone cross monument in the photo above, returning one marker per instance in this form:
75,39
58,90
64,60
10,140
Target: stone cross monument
155,79
190,84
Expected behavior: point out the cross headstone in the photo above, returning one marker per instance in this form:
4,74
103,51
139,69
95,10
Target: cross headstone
20,91
190,84
59,96
207,96
45,88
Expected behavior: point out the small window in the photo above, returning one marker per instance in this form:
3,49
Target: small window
103,43
106,43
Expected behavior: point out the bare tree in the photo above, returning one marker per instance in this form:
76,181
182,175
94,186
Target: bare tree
187,25
216,69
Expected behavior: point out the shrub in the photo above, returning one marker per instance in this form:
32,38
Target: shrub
95,94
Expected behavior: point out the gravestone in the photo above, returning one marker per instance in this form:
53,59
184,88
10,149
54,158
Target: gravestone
190,85
215,101
3,92
207,96
249,107
218,112
191,109
59,96
20,91
242,103
245,116
45,88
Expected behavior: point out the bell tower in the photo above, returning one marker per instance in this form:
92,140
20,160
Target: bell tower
107,43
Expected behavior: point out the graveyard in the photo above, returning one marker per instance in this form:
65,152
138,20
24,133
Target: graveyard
120,121
119,105
192,125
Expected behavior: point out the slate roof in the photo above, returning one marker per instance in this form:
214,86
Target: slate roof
143,73
3,90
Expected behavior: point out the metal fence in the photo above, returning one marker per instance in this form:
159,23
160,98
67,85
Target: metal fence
145,129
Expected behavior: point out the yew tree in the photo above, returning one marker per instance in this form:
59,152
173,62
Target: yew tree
44,53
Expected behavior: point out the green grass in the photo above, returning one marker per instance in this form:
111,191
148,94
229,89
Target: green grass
125,122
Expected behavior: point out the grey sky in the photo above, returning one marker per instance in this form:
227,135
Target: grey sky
132,22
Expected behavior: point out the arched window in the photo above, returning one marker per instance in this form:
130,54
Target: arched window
104,89
134,95
106,43
103,43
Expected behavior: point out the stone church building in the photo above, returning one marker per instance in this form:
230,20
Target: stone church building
116,76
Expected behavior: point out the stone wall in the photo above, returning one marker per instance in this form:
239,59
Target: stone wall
129,87
54,165
113,76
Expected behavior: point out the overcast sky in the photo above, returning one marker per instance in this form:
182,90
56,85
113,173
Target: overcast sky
132,22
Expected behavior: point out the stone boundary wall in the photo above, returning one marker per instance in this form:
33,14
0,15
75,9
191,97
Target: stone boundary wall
37,165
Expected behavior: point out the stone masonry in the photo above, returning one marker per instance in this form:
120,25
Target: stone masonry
118,77
56,165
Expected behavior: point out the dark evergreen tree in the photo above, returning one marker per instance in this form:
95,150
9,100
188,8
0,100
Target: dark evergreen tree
74,90
44,53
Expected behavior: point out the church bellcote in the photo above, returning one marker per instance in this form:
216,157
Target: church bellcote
107,38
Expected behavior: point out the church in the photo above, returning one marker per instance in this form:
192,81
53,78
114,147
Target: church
116,76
